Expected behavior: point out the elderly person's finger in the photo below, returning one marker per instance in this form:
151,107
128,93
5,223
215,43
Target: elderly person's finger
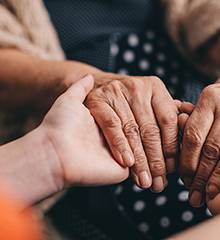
111,126
151,139
168,124
214,205
186,107
209,157
131,99
213,185
150,132
140,171
182,119
195,133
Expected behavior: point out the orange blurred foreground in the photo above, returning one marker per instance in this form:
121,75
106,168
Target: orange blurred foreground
15,225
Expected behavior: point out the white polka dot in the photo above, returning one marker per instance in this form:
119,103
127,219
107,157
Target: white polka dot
161,200
133,40
148,48
137,189
161,57
150,34
208,213
144,64
114,49
123,71
143,227
120,208
174,80
164,222
183,196
118,190
187,216
128,56
160,71
139,206
180,182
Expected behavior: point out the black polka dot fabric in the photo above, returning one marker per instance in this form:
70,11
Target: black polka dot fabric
86,27
152,53
121,36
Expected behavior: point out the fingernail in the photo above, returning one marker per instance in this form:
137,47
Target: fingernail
195,199
128,158
187,182
212,191
158,184
145,179
171,165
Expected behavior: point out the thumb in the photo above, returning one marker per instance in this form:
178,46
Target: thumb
186,107
182,119
81,89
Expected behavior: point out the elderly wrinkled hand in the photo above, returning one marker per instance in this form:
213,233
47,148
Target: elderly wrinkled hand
139,120
199,161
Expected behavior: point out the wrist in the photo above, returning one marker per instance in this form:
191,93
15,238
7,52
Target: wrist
30,169
73,71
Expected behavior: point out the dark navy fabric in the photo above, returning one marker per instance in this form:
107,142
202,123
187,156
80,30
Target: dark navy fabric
126,36
87,27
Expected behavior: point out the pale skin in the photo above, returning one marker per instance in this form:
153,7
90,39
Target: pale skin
52,157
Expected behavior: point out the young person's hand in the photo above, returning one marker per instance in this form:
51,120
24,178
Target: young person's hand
66,150
81,151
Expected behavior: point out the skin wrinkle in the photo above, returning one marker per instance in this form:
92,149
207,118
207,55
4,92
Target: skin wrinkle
120,95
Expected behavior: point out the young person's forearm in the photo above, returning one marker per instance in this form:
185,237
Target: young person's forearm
24,79
30,169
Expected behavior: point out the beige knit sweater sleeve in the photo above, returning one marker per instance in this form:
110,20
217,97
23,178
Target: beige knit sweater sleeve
26,25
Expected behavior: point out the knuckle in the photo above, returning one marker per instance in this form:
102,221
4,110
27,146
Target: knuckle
95,93
110,123
116,84
170,149
210,151
157,167
118,142
199,182
134,86
140,158
131,129
154,79
216,172
210,91
192,138
187,169
169,120
149,132
94,98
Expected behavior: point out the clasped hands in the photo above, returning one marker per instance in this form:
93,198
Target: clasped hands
140,122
